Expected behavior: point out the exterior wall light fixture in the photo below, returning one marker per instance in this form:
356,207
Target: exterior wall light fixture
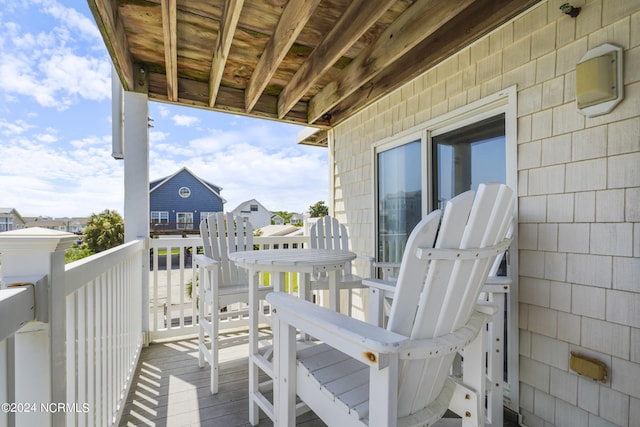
599,83
570,10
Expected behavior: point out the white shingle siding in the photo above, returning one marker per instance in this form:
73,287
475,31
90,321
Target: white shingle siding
579,199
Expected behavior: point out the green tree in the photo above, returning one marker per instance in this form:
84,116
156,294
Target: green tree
318,210
104,231
286,216
76,252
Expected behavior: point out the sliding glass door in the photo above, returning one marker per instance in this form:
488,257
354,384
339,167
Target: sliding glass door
467,156
399,198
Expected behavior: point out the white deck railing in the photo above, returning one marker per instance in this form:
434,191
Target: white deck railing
172,273
103,330
72,362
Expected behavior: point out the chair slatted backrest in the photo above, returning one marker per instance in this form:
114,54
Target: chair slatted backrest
328,233
443,293
223,234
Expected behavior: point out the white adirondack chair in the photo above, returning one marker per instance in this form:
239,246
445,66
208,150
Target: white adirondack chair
328,233
221,282
362,374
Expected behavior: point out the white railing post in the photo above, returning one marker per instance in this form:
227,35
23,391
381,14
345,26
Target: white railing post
39,354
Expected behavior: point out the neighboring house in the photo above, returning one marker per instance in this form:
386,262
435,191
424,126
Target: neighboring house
10,219
277,219
180,201
296,219
76,224
254,212
49,223
70,225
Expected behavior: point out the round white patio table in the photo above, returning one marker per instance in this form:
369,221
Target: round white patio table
281,261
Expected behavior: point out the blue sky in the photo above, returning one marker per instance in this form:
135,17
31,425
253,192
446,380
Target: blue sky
55,128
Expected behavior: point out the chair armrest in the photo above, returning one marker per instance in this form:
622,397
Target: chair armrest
499,280
360,340
450,343
205,262
386,286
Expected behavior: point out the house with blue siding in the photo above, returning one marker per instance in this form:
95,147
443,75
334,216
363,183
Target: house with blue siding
180,201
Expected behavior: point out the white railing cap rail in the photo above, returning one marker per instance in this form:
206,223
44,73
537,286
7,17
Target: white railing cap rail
22,300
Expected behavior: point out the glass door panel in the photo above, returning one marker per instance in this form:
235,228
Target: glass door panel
399,198
467,156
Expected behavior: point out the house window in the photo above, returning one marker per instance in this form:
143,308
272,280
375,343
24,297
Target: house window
159,217
184,192
6,224
254,208
420,170
184,221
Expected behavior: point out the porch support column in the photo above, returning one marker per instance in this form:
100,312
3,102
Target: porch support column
136,183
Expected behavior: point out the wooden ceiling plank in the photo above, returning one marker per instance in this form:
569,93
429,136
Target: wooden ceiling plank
477,20
418,22
195,94
355,21
170,35
292,21
230,16
113,32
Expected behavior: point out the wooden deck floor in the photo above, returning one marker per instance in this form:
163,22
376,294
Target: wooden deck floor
169,389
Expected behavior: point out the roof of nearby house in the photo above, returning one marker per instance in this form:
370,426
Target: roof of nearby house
311,62
248,202
215,189
281,230
8,211
47,223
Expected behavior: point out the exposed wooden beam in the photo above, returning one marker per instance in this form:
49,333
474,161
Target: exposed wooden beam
106,15
353,23
293,19
478,19
230,16
196,94
418,22
170,35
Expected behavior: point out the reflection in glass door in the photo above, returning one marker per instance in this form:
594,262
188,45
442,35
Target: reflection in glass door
399,198
467,156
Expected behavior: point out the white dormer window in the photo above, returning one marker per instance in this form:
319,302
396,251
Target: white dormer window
184,192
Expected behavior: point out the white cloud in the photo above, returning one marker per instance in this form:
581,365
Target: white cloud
48,66
46,137
73,19
164,111
184,120
54,181
157,136
16,127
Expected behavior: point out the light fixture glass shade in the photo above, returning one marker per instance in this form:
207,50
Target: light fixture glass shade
599,84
